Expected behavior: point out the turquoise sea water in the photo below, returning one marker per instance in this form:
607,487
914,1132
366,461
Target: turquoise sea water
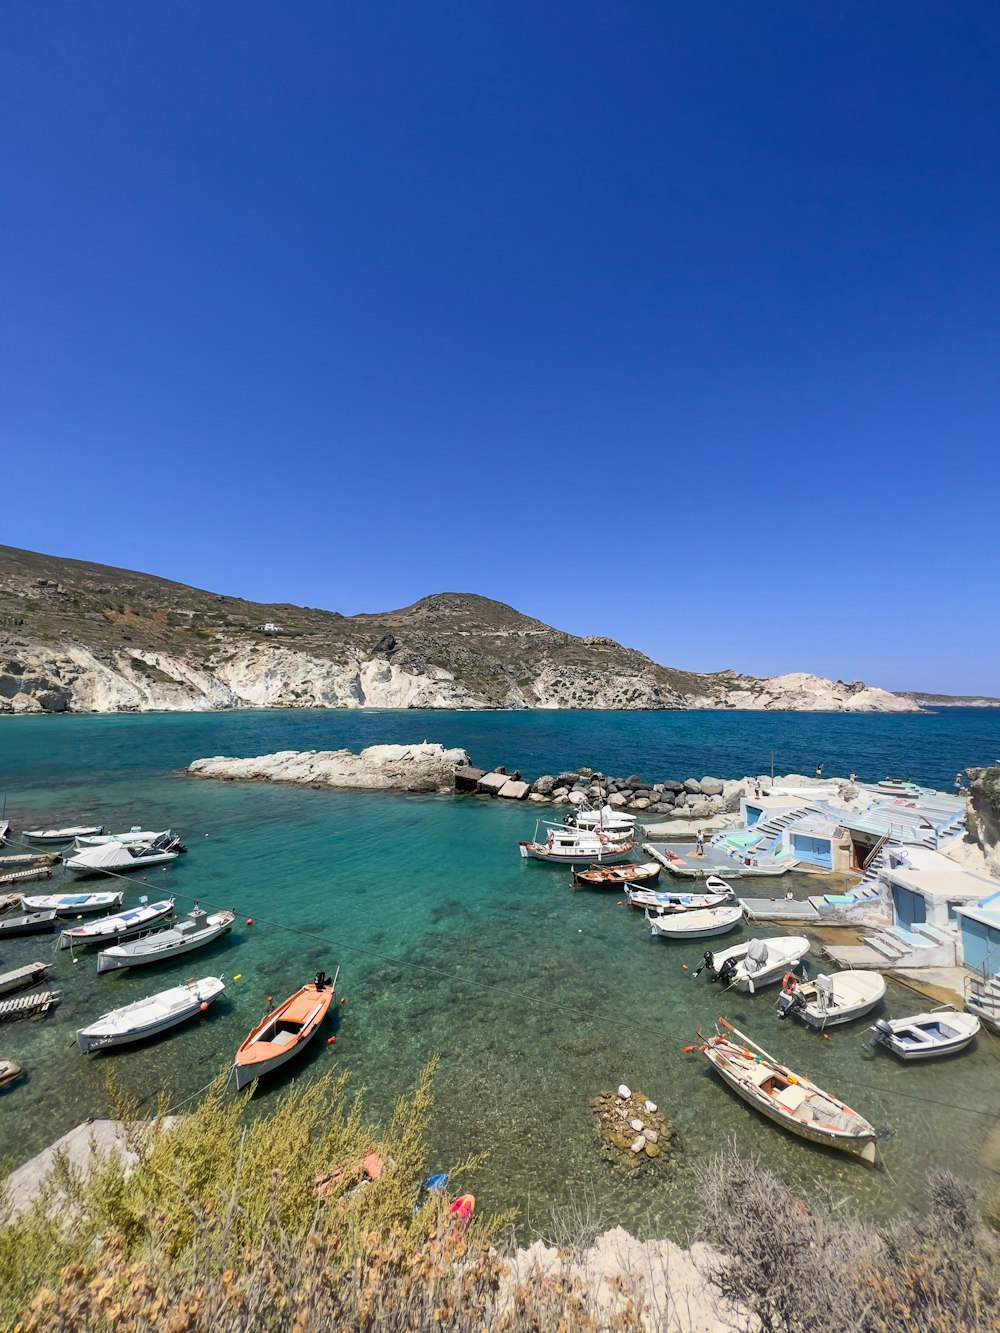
535,996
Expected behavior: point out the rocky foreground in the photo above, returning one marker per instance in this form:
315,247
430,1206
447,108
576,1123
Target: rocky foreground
82,638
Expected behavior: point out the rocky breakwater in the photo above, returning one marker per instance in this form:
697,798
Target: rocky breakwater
694,798
633,1131
414,768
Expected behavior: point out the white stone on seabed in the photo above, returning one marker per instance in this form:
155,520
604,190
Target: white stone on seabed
652,1136
637,1125
624,1090
651,1107
639,1144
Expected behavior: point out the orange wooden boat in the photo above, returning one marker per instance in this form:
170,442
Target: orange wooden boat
284,1032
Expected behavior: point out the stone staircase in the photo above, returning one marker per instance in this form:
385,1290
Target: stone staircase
982,997
922,946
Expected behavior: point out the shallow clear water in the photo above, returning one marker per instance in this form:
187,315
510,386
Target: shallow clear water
535,996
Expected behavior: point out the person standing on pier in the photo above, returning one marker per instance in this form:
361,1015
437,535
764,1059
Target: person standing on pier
699,844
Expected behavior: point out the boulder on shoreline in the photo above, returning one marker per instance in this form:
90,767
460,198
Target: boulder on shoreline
415,768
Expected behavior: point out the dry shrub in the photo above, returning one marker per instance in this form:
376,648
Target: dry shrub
779,1265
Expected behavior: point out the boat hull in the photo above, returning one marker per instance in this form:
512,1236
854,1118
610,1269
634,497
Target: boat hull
861,1146
610,855
123,956
101,931
73,904
695,925
283,1033
28,923
99,1035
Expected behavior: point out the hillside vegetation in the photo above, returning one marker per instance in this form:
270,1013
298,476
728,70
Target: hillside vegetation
76,636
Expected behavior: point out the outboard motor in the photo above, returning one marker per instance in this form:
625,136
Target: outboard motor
727,971
789,1001
879,1031
709,963
321,980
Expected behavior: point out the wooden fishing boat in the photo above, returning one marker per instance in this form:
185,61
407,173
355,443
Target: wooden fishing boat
616,877
694,925
791,1100
27,923
154,1014
119,927
195,931
756,962
832,999
53,835
285,1031
943,1031
660,901
72,904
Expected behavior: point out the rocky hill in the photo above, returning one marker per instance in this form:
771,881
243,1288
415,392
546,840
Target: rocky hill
78,637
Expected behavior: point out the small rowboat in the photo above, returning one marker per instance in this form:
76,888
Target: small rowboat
756,962
832,999
72,904
694,925
63,834
897,787
616,877
791,1100
119,927
675,902
285,1031
27,923
146,1018
195,931
9,1071
924,1036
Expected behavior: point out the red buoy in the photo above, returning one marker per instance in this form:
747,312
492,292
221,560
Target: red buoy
330,1040
249,920
203,1006
684,967
343,999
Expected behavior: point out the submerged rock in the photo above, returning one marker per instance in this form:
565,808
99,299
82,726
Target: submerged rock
632,1141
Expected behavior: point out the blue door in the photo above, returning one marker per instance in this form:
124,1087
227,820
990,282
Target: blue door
910,907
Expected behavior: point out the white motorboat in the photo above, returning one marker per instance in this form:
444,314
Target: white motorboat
695,925
197,929
943,1031
50,835
657,901
756,962
72,904
120,927
134,835
832,999
145,1018
607,819
116,858
791,1100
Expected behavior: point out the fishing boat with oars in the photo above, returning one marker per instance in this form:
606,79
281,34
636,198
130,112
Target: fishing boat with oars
285,1031
659,900
72,904
790,1100
54,835
617,877
694,925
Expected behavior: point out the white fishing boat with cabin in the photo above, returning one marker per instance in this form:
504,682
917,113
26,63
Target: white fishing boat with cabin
130,922
832,999
756,962
695,925
790,1100
943,1031
566,845
196,930
145,1018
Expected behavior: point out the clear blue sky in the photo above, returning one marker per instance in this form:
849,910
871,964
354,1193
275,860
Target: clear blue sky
671,321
